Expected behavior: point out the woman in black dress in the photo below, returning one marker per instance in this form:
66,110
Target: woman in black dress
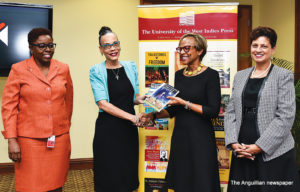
115,146
258,120
193,164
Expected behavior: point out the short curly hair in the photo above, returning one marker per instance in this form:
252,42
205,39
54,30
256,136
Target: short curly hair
34,34
201,43
264,32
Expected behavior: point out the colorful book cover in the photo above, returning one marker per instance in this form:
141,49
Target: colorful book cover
157,67
224,102
224,158
220,61
159,124
155,185
218,122
223,154
158,99
156,153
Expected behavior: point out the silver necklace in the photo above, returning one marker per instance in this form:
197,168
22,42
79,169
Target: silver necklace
116,74
259,75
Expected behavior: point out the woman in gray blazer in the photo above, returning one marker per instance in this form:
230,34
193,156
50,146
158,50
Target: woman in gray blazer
258,121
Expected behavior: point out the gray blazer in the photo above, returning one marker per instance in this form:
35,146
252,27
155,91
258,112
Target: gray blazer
275,112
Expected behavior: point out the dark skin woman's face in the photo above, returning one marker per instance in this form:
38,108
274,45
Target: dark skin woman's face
42,56
111,54
191,55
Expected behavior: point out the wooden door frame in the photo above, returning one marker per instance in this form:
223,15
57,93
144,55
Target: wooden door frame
240,65
297,38
147,2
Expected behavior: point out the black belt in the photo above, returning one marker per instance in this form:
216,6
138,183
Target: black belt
250,109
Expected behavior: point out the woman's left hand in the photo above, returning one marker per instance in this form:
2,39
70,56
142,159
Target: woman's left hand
253,149
14,150
176,101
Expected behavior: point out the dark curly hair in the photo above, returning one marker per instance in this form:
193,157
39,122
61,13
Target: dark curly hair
103,31
34,34
265,32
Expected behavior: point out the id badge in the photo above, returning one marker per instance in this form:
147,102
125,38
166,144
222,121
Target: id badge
51,141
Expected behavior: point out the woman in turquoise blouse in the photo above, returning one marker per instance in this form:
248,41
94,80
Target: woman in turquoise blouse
116,90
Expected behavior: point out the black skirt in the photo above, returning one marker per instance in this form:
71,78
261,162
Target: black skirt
115,149
277,175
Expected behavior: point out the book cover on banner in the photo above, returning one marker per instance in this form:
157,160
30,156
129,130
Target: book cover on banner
224,102
223,154
224,158
156,154
158,99
155,185
218,122
156,67
158,124
220,61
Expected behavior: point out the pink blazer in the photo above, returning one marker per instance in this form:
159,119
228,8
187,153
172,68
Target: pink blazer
36,106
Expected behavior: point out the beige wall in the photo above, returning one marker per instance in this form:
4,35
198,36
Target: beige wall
75,27
280,15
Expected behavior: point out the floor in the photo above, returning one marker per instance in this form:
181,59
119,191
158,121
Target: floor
78,181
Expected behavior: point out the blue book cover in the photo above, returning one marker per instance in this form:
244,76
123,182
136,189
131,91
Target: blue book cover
158,98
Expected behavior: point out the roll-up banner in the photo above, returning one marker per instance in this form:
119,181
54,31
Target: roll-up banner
160,28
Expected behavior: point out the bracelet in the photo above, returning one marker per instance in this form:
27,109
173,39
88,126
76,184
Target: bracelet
187,105
136,119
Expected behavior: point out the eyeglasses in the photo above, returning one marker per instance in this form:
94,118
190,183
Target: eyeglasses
186,49
107,46
43,46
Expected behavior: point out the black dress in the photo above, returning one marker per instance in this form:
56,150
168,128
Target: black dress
193,165
115,145
277,175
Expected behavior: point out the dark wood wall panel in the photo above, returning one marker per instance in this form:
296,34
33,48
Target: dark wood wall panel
297,39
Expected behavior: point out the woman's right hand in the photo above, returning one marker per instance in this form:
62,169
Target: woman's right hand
239,149
14,151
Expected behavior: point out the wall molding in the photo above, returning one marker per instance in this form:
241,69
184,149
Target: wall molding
82,163
75,164
6,168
